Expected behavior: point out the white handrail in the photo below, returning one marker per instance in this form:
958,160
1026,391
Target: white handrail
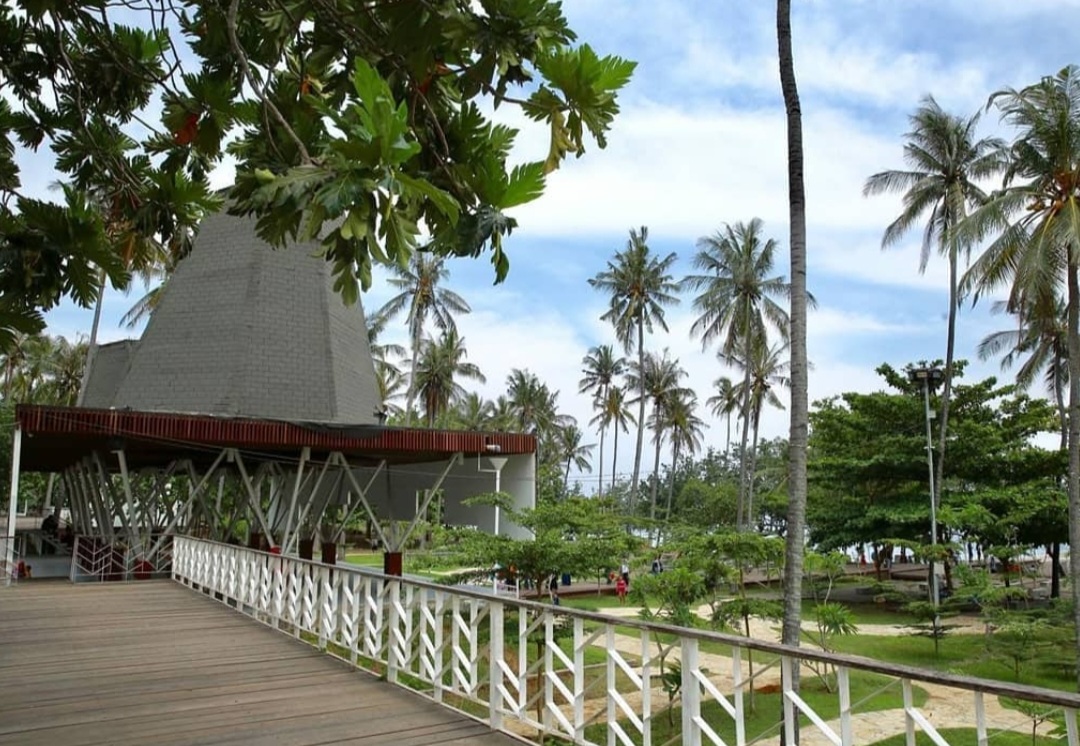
438,640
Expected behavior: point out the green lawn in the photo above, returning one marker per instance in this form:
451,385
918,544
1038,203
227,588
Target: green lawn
365,559
960,653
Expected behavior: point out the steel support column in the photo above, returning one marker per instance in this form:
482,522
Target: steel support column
13,505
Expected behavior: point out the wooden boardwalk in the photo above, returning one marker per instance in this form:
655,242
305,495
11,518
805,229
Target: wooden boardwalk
155,663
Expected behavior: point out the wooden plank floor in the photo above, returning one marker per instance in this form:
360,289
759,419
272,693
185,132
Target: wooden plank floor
156,663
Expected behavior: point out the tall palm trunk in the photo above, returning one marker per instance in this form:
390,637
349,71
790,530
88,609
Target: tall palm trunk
796,513
641,414
727,441
1063,416
600,482
410,393
740,508
1074,442
753,473
91,347
614,456
656,468
671,479
946,393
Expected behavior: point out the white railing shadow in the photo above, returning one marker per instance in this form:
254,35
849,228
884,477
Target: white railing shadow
530,668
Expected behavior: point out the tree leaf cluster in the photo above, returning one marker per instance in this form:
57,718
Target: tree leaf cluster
361,125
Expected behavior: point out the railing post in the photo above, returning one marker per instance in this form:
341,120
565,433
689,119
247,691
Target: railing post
392,600
843,683
323,605
579,679
786,673
1070,726
610,685
909,720
646,690
737,679
495,699
691,692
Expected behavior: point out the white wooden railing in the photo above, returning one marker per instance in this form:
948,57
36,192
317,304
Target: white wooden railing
475,652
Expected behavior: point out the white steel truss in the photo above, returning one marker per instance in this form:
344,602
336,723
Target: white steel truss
138,513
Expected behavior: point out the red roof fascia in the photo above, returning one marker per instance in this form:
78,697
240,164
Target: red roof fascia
252,433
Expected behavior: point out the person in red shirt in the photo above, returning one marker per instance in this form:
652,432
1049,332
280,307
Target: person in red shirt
620,589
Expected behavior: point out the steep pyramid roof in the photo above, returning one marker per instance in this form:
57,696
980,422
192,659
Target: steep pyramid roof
245,330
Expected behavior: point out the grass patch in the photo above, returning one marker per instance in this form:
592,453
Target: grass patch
591,602
960,653
365,559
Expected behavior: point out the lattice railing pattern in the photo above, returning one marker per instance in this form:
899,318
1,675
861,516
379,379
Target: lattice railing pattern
529,663
101,558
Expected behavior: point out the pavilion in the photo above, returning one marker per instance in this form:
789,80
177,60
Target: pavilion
250,405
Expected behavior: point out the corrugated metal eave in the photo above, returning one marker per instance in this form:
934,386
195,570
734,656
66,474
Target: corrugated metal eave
202,429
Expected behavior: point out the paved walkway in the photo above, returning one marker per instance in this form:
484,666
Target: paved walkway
155,663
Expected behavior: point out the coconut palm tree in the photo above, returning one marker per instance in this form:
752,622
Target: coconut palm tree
946,161
640,286
573,451
421,298
473,413
391,384
769,370
602,367
684,429
14,357
1042,337
738,307
66,370
660,379
441,363
534,405
723,403
1034,222
503,417
800,300
615,413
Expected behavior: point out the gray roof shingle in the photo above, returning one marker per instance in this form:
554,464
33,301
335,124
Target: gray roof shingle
246,330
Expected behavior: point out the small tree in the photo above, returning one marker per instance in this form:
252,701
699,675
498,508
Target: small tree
831,619
669,597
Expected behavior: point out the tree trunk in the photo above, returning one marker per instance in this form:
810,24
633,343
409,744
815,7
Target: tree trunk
727,441
641,415
752,474
409,392
740,507
946,395
566,479
614,456
1074,444
1055,576
671,481
1063,415
91,347
1055,547
796,514
656,470
600,481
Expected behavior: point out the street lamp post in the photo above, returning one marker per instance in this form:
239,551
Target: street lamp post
928,377
497,464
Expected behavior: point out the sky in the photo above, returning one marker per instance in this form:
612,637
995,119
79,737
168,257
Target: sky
700,142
